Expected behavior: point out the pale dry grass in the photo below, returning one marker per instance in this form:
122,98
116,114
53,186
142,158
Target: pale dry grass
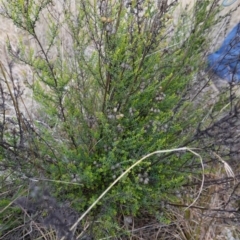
215,214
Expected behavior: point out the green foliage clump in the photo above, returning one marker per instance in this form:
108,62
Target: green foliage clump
111,89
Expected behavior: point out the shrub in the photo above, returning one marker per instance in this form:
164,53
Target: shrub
113,81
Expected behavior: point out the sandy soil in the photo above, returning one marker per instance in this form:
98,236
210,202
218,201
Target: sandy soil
224,27
20,73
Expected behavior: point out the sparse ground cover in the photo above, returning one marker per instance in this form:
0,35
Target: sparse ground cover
113,81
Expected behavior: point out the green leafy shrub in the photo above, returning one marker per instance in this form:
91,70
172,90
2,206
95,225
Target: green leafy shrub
112,85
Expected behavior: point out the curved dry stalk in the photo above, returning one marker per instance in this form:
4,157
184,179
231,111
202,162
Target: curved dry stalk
202,183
